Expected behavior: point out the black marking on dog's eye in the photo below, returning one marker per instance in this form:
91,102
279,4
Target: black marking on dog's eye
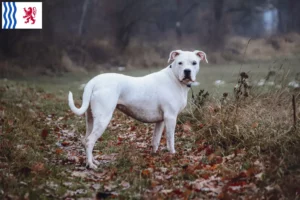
170,66
194,63
180,63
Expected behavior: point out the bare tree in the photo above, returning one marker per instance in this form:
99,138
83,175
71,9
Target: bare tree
125,15
83,14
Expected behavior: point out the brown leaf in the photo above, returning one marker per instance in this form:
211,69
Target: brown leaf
168,158
186,127
65,143
146,173
211,157
44,133
177,192
255,125
56,129
165,191
109,187
163,141
154,183
132,128
209,150
58,151
80,174
187,194
10,122
38,167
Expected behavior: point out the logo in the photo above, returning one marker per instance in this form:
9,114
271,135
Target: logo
22,15
30,14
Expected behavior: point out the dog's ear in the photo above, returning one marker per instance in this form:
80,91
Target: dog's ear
173,54
202,55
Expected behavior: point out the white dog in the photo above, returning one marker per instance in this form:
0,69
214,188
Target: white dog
155,98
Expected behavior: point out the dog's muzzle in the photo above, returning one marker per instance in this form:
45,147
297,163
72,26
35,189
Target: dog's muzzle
187,74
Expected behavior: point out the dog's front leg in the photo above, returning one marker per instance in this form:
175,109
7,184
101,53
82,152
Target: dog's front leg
159,127
170,131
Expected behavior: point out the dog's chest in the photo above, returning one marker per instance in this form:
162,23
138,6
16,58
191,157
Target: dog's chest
143,114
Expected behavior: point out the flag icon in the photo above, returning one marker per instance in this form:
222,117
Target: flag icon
22,15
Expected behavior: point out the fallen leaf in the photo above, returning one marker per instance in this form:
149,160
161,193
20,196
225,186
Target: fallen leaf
56,129
146,173
186,127
209,150
177,192
269,188
44,133
259,176
109,187
79,174
66,143
255,125
154,183
166,191
96,186
38,167
125,184
58,151
10,122
132,128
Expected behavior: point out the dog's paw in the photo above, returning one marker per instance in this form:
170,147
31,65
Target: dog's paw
154,149
91,166
172,151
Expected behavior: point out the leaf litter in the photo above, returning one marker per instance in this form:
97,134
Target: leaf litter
127,167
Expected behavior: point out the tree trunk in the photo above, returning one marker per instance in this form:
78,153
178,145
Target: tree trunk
218,31
81,23
178,23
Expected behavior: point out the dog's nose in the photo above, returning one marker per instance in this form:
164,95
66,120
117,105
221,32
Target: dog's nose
187,72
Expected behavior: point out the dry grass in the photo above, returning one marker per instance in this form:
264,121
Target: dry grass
262,49
258,121
262,123
209,141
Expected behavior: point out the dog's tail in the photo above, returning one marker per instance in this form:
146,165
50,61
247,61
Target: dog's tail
86,97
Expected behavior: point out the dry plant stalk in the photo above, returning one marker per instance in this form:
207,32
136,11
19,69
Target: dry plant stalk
242,87
294,111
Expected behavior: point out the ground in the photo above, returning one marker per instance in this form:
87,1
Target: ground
42,156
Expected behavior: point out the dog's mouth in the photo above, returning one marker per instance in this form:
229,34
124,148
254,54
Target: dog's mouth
187,79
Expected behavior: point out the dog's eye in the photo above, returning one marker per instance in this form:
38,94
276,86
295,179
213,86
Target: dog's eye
180,63
194,63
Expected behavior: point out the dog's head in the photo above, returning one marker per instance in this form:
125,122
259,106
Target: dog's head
186,64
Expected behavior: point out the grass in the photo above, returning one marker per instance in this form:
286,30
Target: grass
208,75
225,149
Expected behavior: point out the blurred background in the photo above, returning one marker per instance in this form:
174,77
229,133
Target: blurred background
96,35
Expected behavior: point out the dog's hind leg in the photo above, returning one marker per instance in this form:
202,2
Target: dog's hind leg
159,127
102,111
89,119
89,124
100,124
